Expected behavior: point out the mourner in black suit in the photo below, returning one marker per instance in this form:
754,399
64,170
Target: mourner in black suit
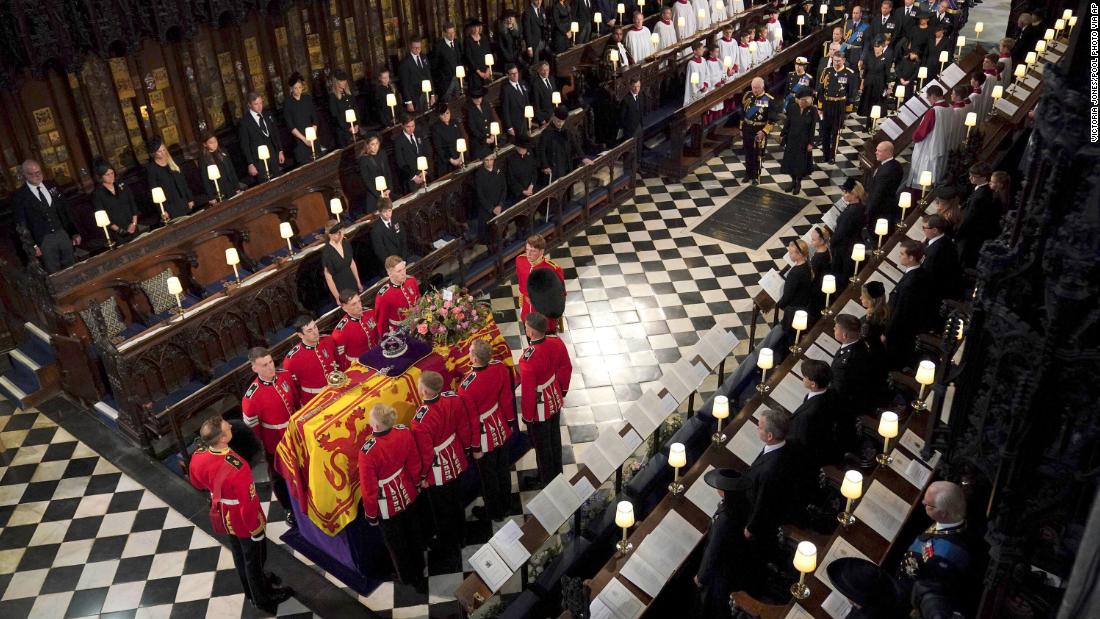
797,139
941,260
299,113
885,25
45,215
543,87
340,101
383,114
561,38
411,73
509,41
114,198
258,128
851,366
479,115
514,96
407,147
229,184
445,134
536,29
849,228
372,164
523,171
161,171
909,307
980,216
490,191
474,48
630,111
945,43
446,54
582,14
387,237
813,424
882,199
559,149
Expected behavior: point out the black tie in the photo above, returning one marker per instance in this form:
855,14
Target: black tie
547,80
42,197
418,65
412,140
260,121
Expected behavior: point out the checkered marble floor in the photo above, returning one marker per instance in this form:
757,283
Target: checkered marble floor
82,538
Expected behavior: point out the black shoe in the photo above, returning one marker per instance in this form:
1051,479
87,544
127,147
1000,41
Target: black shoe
480,513
291,521
755,181
281,594
273,579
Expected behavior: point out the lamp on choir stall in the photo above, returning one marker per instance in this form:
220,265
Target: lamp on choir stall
720,409
805,561
104,221
1040,47
349,117
823,10
851,488
1059,26
159,199
925,183
828,287
752,51
489,62
859,254
380,184
677,458
922,74
887,429
1019,73
765,360
960,43
1049,36
555,98
311,137
335,206
176,289
213,172
264,154
391,102
926,375
613,56
998,92
529,114
799,323
655,40
620,9
1066,14
701,15
286,232
426,88
694,78
641,5
801,21
422,166
597,18
494,130
882,227
1072,21
899,95
970,122
460,73
460,148
905,200
978,28
876,114
680,22
574,28
1030,59
233,259
943,59
727,62
624,519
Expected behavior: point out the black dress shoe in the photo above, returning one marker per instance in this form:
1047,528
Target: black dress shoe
479,512
281,594
291,521
755,181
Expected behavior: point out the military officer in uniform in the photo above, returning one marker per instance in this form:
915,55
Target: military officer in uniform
933,573
395,296
489,392
267,406
236,511
389,474
357,331
312,358
758,113
544,373
797,80
855,32
442,428
838,88
534,258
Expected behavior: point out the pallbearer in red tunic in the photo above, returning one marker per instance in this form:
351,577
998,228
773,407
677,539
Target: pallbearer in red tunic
489,391
535,258
544,373
443,431
389,470
235,511
395,296
357,331
312,358
267,406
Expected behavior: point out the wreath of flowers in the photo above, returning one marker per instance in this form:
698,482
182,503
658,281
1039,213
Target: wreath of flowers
446,317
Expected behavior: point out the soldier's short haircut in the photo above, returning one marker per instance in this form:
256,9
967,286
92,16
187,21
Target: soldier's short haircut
211,430
301,321
848,324
393,261
383,415
536,321
777,422
347,295
432,381
258,352
481,351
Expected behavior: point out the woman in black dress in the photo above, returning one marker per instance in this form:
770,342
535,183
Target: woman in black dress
798,284
229,184
906,73
445,134
797,138
340,100
821,263
372,164
510,42
162,171
117,200
849,230
380,91
561,16
474,47
876,69
339,262
299,113
873,330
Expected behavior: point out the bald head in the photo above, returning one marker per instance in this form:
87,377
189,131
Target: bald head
945,502
32,172
758,86
884,151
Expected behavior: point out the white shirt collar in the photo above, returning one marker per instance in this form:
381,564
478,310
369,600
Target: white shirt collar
771,448
814,394
948,525
912,267
930,241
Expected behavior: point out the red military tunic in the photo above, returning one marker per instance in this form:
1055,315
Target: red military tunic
228,478
389,469
443,433
523,270
309,366
267,407
355,336
390,302
489,392
544,373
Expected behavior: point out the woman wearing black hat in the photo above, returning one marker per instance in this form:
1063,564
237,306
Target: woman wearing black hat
876,69
340,100
474,47
872,593
299,113
905,71
798,292
445,134
849,229
339,262
479,115
797,138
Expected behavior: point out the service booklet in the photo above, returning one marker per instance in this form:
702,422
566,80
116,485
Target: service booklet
492,569
839,549
702,495
506,543
882,510
772,284
746,444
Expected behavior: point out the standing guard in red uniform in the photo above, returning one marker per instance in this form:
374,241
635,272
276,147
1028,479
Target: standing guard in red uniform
544,373
489,391
356,333
267,406
443,435
395,296
535,258
389,470
311,359
235,511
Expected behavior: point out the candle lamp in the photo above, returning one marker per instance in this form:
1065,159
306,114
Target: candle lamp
970,122
960,43
851,488
899,96
1040,47
1066,14
159,198
765,360
555,98
823,10
311,137
529,114
597,18
391,102
460,73
335,206
876,114
264,154
380,184
104,221
460,148
694,79
655,40
574,28
613,56
286,231
701,15
925,183
232,258
720,410
489,62
998,92
926,375
1071,22
176,290
624,519
494,131
422,166
349,117
882,226
727,62
1049,36
677,458
800,21
887,429
680,24
979,28
905,200
426,88
943,59
214,173
1059,26
805,561
1030,59
828,286
752,51
922,74
859,254
799,323
620,8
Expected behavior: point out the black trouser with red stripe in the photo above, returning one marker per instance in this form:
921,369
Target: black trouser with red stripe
449,515
546,435
496,482
403,541
249,557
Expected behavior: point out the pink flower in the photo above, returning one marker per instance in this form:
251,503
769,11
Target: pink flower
459,316
443,312
446,304
422,329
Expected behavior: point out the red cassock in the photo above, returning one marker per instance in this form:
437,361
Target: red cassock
267,407
544,373
390,302
355,336
228,478
523,270
309,365
389,469
443,432
489,395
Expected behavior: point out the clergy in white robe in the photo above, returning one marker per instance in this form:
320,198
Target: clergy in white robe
639,40
702,13
775,30
746,58
718,12
763,45
930,145
960,107
683,14
733,7
695,78
728,48
666,31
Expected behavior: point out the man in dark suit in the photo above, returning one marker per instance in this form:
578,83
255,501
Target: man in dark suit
536,30
767,496
941,260
543,87
387,237
849,230
523,171
490,190
411,73
44,214
514,96
909,308
582,14
851,367
882,199
630,111
813,424
1027,35
407,147
258,128
445,56
885,25
980,218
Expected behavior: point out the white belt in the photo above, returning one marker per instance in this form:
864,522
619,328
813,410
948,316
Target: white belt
383,482
274,426
445,444
394,322
486,414
383,503
230,501
549,382
313,390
